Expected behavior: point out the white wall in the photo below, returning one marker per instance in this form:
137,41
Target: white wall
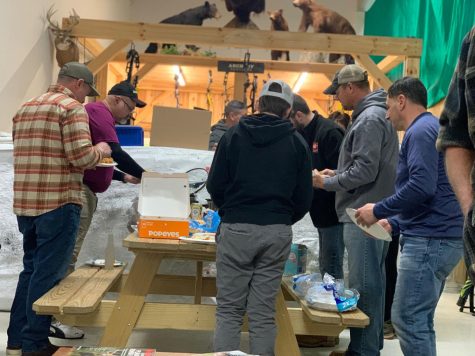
27,64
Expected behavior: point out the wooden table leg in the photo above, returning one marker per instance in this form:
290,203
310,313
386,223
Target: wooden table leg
285,342
198,282
131,300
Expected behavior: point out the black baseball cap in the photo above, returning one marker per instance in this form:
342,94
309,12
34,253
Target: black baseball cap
124,88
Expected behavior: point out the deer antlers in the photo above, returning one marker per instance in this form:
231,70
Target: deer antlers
54,26
66,49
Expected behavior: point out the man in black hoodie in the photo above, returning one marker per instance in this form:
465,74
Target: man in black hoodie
324,138
261,181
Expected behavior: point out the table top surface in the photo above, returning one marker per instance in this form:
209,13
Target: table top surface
133,242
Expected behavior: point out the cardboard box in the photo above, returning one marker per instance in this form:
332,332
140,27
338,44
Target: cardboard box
164,206
184,128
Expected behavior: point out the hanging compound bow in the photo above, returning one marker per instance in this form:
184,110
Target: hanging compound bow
133,61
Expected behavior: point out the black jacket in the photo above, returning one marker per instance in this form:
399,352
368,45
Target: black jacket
324,138
217,131
261,173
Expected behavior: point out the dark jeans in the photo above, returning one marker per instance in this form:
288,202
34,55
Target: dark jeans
366,272
332,250
48,242
391,275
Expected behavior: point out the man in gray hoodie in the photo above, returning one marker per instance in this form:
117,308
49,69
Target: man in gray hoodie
366,173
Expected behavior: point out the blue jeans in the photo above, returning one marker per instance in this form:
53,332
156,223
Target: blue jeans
423,266
332,249
366,257
48,242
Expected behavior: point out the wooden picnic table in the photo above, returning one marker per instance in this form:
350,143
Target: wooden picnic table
131,311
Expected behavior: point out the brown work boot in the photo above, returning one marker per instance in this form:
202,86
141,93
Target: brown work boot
389,333
317,341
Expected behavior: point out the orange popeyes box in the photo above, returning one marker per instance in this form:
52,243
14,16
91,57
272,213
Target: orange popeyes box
164,206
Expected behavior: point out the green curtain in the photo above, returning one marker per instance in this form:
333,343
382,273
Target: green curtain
441,24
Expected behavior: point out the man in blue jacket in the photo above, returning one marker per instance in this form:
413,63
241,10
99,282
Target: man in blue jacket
366,173
425,210
261,181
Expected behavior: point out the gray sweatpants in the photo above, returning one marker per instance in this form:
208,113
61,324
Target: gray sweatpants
250,261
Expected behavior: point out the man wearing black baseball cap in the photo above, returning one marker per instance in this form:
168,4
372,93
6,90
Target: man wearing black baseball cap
103,115
126,89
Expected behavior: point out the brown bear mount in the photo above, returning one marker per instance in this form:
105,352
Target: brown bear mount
194,16
242,11
278,23
324,20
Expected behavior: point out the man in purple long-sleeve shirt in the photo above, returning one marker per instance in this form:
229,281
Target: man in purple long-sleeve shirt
425,210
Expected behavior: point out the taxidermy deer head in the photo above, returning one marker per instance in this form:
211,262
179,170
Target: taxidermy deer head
66,48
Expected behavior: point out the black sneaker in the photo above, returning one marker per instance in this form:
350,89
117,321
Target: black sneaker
49,351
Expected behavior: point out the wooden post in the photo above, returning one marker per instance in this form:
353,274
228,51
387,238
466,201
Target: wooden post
239,80
101,82
285,342
199,282
412,67
129,306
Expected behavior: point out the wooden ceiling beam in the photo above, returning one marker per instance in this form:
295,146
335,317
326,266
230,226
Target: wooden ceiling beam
142,72
390,62
212,62
373,70
95,49
243,38
106,55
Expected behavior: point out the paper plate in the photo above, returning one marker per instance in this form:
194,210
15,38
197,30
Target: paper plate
100,262
196,238
375,230
107,164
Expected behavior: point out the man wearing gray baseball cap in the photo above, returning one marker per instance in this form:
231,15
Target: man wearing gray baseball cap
366,173
81,73
351,73
52,148
261,180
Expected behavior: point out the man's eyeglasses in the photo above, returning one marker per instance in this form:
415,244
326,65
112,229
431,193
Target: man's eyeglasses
131,108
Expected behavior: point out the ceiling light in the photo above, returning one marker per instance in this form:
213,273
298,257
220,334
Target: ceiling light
179,73
299,82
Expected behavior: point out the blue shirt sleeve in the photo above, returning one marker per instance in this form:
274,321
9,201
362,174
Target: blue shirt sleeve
421,183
